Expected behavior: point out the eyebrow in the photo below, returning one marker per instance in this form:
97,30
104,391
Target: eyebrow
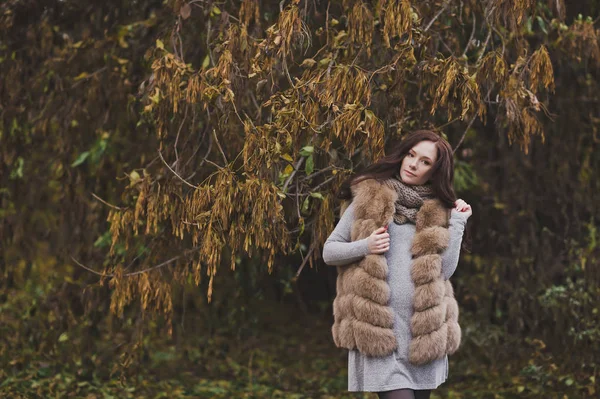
411,150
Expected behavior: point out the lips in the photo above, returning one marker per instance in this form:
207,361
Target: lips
410,174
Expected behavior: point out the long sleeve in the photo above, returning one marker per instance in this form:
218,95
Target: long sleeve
452,253
339,250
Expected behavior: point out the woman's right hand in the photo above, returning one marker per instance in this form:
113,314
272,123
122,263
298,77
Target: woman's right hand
379,241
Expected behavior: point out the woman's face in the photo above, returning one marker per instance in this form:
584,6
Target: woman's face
416,168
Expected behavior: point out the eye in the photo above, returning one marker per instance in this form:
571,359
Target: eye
427,163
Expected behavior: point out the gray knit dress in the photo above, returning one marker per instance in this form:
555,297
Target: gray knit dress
373,374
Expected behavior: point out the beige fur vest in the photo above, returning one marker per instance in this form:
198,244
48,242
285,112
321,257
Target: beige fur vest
363,319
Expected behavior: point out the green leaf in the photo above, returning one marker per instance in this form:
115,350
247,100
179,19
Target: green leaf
160,44
306,151
324,61
104,240
301,224
528,25
542,24
310,165
305,204
17,172
81,159
206,62
63,337
317,195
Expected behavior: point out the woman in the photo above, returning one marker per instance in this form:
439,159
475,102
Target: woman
395,247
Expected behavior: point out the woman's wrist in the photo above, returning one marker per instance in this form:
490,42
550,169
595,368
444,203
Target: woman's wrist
365,246
457,216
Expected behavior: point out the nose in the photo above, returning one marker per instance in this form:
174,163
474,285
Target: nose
413,164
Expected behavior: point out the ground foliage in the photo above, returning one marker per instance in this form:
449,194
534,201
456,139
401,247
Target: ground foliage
147,145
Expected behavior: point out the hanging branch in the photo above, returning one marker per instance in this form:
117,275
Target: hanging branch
165,263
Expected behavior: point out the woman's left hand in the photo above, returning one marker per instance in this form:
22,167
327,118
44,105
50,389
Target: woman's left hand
461,206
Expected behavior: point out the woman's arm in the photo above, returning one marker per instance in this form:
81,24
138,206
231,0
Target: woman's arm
339,250
452,253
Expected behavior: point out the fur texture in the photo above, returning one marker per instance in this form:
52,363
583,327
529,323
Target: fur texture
362,318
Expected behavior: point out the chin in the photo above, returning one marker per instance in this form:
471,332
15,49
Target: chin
407,179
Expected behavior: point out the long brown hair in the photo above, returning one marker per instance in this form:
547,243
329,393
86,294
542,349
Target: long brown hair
442,177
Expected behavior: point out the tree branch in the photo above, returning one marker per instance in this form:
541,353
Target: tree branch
289,179
175,173
106,203
436,16
165,263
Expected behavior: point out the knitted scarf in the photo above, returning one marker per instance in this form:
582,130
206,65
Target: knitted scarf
410,199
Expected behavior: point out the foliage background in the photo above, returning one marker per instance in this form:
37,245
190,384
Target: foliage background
168,175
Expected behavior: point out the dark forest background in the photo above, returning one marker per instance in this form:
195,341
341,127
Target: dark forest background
168,172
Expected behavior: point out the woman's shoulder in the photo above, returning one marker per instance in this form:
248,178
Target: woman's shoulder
346,205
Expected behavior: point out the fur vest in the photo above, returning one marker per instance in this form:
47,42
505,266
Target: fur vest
362,318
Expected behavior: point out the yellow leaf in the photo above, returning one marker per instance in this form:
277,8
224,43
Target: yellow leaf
308,63
82,75
160,44
156,97
288,170
134,176
122,42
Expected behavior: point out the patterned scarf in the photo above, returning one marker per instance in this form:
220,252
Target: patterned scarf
410,199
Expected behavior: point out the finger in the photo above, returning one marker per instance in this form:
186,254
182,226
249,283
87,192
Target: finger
379,230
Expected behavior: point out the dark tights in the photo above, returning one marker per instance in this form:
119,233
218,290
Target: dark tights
405,394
